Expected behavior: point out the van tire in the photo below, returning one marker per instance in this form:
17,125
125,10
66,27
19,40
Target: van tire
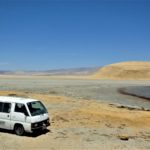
19,129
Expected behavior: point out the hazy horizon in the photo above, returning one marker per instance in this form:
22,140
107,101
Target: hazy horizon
56,69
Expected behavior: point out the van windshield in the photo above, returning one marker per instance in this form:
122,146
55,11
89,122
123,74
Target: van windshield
36,108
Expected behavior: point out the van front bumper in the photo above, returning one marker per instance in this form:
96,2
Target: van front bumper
40,125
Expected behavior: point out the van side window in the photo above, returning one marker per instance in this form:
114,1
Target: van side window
7,107
1,106
21,108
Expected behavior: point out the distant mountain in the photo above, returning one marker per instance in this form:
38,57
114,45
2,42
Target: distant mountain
58,72
5,72
74,71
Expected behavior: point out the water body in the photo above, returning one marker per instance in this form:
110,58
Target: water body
101,90
137,91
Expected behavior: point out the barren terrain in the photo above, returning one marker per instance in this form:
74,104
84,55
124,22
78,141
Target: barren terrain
125,71
83,124
85,114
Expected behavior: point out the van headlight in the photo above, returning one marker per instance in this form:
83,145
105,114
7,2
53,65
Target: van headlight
34,125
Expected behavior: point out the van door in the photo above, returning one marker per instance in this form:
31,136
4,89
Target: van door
5,108
20,113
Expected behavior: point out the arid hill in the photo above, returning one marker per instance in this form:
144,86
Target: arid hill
125,70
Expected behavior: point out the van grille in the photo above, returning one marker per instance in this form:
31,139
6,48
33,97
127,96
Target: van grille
40,124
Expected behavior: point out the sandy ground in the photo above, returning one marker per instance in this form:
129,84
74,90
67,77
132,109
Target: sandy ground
125,71
83,125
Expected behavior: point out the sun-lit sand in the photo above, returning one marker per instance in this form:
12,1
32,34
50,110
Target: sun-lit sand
125,70
79,123
83,124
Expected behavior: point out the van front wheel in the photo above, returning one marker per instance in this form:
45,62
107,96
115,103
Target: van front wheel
19,130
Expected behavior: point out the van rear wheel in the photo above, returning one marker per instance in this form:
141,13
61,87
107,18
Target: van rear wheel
19,130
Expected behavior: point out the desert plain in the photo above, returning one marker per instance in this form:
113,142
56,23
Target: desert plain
85,113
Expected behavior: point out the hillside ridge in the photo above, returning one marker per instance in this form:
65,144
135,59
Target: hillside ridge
134,70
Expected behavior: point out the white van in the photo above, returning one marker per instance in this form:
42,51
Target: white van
22,115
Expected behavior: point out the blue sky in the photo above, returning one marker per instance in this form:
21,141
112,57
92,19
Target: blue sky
51,34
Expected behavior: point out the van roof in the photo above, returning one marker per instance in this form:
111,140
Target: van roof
16,99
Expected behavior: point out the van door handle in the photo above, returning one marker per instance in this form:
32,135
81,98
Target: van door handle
7,115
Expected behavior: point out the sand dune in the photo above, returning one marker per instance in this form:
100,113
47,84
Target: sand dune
125,70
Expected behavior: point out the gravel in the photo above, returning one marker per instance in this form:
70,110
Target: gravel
101,90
